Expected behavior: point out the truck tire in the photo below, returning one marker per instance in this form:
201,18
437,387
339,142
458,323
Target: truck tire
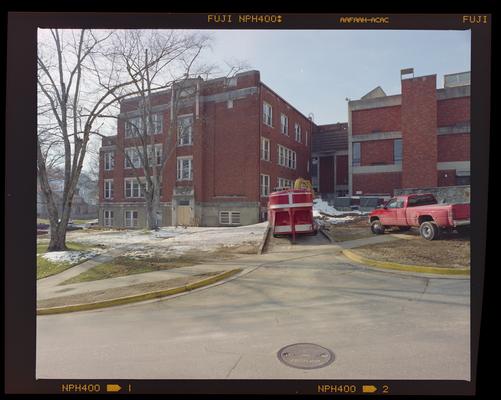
429,230
377,227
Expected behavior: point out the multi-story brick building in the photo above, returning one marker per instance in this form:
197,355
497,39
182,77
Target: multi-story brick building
419,138
239,140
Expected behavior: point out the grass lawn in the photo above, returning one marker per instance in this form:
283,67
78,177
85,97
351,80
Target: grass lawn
47,268
122,266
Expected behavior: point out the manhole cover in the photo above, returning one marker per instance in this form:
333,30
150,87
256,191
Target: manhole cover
305,356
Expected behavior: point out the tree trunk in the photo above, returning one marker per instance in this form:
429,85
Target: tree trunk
57,236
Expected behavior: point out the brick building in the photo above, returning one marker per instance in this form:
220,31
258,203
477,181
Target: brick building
419,138
239,140
329,155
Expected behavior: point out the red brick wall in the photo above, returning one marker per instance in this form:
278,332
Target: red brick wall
376,152
383,119
454,147
419,132
302,149
342,170
452,111
446,177
326,179
381,183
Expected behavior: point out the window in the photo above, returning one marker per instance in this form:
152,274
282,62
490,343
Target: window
108,218
108,188
267,114
133,127
131,219
297,132
397,151
229,103
184,130
229,217
156,124
423,200
393,203
284,183
462,179
284,124
132,188
155,155
265,185
184,169
356,154
109,160
286,157
265,149
133,155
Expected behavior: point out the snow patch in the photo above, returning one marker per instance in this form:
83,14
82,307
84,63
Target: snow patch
322,207
69,256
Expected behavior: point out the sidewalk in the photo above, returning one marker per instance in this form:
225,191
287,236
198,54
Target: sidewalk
54,297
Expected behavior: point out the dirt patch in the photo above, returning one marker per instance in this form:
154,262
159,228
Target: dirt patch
113,293
357,228
453,252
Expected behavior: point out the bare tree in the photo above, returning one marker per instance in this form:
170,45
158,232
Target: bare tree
69,105
154,61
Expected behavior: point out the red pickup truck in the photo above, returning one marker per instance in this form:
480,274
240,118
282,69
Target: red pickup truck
420,210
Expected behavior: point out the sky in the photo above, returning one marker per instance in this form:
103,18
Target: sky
316,70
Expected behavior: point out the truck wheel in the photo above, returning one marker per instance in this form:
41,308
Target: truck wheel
429,230
377,227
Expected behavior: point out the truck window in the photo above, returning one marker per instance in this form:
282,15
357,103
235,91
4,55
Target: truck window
421,201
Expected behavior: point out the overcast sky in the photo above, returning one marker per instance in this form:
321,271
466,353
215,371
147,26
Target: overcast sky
317,70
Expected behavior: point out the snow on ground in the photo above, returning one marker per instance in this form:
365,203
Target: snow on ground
69,256
178,240
320,206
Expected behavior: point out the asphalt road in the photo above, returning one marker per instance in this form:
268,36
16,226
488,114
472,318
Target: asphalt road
379,325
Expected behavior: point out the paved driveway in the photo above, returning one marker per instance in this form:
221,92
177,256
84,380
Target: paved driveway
379,325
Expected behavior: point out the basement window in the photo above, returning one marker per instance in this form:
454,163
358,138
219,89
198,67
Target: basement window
229,217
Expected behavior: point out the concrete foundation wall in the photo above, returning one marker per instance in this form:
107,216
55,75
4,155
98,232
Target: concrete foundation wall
119,214
449,194
208,213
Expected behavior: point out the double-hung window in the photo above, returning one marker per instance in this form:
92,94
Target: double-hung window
185,130
132,158
132,188
156,124
108,188
133,127
297,132
108,217
265,185
184,168
284,124
109,160
265,149
286,157
131,218
267,114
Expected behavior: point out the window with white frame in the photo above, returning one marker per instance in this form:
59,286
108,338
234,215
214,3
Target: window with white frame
229,217
265,149
184,168
267,114
284,183
132,188
108,218
131,218
155,154
133,127
265,185
297,132
109,160
156,124
286,157
185,130
284,124
108,188
132,158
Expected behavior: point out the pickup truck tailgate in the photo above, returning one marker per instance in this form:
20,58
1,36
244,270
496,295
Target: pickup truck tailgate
460,211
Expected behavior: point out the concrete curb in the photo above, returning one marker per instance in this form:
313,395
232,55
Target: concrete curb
327,235
405,267
264,241
138,297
